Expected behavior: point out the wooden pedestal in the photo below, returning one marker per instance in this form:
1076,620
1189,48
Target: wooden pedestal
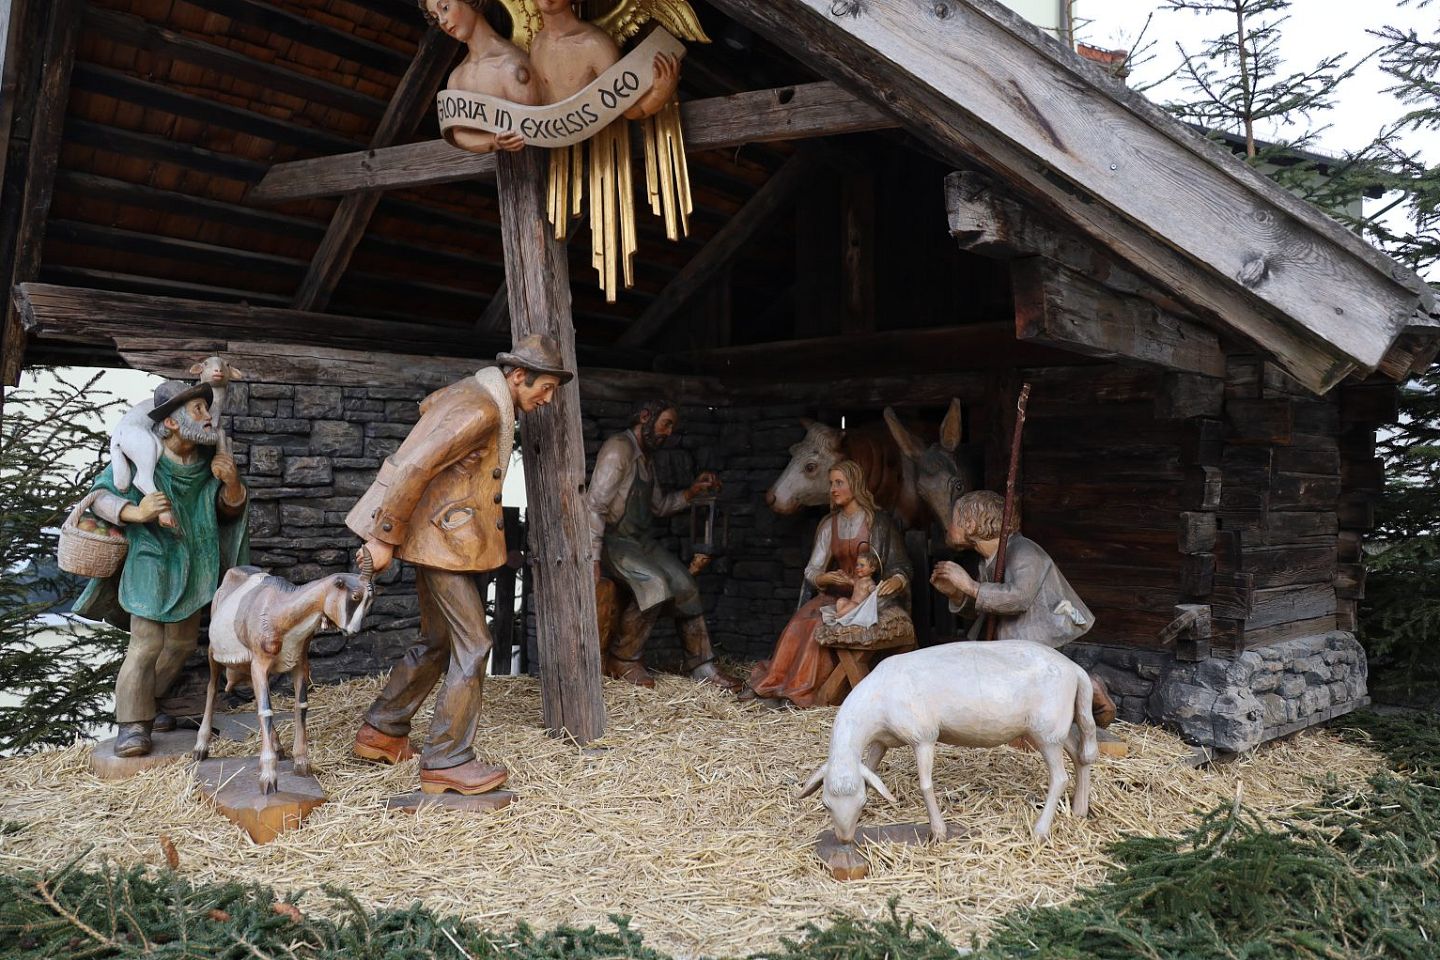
232,784
844,860
1111,745
167,748
477,803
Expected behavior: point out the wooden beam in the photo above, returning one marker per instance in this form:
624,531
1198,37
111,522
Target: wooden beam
976,346
719,123
167,44
537,274
59,314
170,356
44,156
981,84
728,241
1057,306
132,145
415,92
858,201
16,26
309,33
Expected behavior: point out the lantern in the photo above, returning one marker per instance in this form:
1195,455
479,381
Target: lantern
709,526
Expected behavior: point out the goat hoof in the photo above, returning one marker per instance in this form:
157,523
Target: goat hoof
268,785
302,768
939,834
199,754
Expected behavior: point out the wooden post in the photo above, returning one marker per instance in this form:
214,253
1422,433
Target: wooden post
537,277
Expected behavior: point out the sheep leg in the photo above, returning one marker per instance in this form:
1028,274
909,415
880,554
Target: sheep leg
1055,761
874,753
925,763
299,678
260,679
202,739
1080,799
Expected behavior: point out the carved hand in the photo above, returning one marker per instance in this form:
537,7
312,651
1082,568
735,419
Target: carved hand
381,553
951,579
891,586
707,482
222,466
149,507
699,562
835,578
510,140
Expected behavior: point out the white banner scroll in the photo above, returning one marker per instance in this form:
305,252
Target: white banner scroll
573,120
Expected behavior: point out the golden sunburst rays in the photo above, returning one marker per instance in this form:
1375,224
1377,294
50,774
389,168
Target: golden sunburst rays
667,174
612,209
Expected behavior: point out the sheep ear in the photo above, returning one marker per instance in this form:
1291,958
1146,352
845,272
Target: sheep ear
873,778
196,367
235,374
816,778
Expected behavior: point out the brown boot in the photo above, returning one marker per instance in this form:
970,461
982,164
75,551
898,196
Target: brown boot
1101,704
133,739
471,777
626,659
700,658
371,744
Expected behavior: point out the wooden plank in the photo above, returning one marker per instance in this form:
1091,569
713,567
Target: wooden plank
80,315
309,33
975,346
982,85
347,227
16,27
25,25
1350,581
719,123
1057,306
1197,532
537,275
169,45
130,144
44,156
738,231
1186,395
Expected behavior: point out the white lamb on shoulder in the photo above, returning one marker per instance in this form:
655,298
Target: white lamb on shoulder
977,694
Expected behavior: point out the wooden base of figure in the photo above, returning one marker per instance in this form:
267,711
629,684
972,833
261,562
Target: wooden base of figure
459,802
844,860
232,785
243,725
166,748
1111,745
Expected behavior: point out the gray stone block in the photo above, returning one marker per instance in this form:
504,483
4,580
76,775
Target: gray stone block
308,471
336,438
319,403
265,461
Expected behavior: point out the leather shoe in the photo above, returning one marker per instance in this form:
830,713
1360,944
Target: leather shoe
133,739
709,673
371,744
163,723
471,777
631,671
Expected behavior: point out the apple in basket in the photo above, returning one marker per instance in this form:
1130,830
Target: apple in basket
88,524
117,532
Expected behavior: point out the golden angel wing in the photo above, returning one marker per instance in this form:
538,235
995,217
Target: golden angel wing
627,17
525,19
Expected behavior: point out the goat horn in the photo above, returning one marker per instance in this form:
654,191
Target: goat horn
367,565
873,778
816,778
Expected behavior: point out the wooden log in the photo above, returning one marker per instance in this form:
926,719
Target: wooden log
1236,636
1189,395
1349,546
347,227
43,155
1297,491
1289,565
310,33
1350,581
1274,606
1356,512
1189,631
1233,596
1277,528
537,275
144,146
1347,615
737,233
1197,532
1363,475
1197,575
1202,489
982,85
169,45
720,123
1057,306
1263,422
1369,403
20,24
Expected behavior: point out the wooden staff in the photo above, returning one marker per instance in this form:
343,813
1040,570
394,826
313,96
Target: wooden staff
1008,518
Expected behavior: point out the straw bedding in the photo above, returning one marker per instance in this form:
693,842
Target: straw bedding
683,817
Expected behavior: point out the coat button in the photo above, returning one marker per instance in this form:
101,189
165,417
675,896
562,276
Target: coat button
497,498
496,473
499,524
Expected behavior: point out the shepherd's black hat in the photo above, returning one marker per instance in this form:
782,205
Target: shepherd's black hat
174,394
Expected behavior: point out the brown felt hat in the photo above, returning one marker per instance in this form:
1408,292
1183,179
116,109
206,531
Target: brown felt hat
174,394
538,354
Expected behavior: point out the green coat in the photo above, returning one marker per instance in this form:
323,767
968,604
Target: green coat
166,577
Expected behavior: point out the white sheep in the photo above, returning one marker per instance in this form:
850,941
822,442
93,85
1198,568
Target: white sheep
980,694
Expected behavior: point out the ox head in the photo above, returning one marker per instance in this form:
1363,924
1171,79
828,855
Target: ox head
805,482
844,794
939,479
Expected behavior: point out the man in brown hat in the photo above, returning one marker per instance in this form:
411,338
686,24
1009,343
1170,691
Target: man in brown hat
169,575
436,505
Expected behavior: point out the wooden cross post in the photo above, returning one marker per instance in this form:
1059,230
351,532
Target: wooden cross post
537,278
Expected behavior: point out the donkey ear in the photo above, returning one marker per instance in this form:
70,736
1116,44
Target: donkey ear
806,422
952,427
908,443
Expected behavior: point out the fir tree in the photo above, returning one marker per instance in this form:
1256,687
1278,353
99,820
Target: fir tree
56,676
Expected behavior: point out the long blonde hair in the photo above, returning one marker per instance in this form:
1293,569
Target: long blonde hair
855,477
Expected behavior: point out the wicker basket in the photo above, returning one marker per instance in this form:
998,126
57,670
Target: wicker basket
893,629
89,554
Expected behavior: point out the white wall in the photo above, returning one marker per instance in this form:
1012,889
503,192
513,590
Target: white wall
1046,14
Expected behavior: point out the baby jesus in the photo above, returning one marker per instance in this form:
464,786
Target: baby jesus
852,609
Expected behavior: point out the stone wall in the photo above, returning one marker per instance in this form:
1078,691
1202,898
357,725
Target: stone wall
1235,703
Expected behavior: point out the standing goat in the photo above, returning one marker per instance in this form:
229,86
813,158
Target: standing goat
967,694
267,622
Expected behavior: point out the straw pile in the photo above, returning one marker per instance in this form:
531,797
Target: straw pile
684,819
